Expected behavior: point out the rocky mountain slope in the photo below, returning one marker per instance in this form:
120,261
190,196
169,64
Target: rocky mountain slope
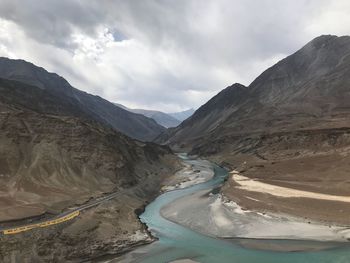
205,119
297,92
53,156
289,127
85,105
161,118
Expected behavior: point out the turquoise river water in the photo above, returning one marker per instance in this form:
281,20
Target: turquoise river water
178,242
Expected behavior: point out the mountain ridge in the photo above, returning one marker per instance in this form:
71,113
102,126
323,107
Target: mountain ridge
182,115
161,118
91,106
286,89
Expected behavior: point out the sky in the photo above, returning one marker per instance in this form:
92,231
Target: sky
162,54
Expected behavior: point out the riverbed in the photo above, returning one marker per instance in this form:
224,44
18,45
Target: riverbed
177,242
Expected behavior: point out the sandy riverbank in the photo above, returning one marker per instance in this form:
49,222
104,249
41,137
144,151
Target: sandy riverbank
216,216
212,214
248,184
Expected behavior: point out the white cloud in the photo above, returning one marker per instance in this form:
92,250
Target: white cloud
92,47
6,38
162,54
333,18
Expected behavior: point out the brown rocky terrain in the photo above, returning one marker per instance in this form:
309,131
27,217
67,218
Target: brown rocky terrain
290,127
51,159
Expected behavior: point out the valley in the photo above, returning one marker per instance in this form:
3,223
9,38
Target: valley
174,131
266,170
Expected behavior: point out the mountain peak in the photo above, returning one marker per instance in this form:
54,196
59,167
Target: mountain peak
235,86
233,90
328,41
228,96
317,58
323,38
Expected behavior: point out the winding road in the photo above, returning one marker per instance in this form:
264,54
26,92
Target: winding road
58,219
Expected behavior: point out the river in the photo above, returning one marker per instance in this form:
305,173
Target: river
178,242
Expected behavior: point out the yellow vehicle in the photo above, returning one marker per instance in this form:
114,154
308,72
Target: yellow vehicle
16,230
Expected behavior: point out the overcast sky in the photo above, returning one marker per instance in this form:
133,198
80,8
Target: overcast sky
166,55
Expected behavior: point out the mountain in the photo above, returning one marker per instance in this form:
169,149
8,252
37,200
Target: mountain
206,118
53,156
161,118
182,115
296,93
85,105
290,127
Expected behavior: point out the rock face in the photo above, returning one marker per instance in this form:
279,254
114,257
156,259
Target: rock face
53,155
290,126
161,118
84,105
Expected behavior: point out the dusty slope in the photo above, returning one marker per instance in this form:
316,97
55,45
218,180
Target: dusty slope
288,127
49,162
85,105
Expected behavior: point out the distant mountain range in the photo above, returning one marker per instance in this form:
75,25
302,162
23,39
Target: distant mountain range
182,115
82,104
167,120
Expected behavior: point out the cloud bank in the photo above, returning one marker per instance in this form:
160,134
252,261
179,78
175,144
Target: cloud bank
166,55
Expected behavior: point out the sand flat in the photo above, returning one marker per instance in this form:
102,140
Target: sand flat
214,215
248,184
